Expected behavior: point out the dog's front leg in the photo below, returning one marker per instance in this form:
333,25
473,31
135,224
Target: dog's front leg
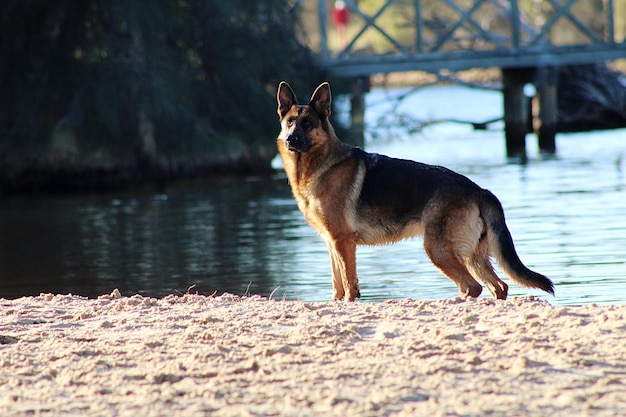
343,262
335,264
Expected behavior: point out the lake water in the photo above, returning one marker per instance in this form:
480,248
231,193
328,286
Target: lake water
567,216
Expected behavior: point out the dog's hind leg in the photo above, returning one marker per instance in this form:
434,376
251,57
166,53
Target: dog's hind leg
343,261
481,268
450,237
451,267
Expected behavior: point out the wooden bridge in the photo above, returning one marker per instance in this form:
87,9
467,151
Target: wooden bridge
527,39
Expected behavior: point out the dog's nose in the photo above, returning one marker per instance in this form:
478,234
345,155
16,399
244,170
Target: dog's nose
296,142
294,139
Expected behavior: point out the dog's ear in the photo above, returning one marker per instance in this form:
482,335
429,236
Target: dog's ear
320,101
286,98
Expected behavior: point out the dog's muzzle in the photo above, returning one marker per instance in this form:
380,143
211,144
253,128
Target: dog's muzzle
298,142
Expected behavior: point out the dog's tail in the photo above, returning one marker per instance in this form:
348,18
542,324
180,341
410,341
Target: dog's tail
504,250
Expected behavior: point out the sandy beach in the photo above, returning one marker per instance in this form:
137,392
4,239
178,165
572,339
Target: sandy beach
250,356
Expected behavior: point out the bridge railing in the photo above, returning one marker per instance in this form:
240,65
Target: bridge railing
401,35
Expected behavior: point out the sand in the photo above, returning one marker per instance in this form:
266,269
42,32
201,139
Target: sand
250,356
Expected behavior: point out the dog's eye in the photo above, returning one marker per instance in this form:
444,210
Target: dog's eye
306,124
290,121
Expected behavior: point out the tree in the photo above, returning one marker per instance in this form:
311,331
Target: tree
143,88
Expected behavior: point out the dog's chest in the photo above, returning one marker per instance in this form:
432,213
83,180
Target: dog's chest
314,215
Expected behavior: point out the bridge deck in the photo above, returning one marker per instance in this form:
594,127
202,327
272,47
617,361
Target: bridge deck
401,35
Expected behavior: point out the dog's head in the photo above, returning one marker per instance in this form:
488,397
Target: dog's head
300,124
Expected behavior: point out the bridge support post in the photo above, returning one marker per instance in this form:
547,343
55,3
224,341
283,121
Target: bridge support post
516,111
360,86
547,91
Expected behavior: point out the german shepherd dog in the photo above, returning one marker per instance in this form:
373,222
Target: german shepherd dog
351,197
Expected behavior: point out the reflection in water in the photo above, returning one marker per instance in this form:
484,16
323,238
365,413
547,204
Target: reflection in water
219,236
567,216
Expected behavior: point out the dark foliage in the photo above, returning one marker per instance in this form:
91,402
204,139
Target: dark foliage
143,87
590,97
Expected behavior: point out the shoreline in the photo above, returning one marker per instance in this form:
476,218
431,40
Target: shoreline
232,356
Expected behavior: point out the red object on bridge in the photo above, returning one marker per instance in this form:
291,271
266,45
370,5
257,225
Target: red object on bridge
341,14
